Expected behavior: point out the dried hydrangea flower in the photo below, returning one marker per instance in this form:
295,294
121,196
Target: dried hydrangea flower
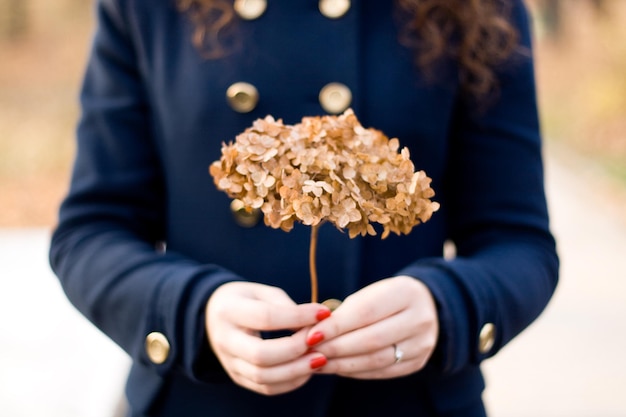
325,169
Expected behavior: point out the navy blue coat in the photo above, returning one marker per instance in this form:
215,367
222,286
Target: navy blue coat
154,116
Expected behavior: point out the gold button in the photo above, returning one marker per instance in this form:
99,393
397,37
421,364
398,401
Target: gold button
332,303
334,9
157,347
244,216
335,98
486,338
242,97
250,9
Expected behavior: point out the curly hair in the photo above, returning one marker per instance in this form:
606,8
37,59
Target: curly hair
475,33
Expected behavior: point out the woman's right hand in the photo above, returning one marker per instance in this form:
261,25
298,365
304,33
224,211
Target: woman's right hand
237,312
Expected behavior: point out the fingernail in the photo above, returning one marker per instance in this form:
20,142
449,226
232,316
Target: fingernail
322,314
318,362
315,338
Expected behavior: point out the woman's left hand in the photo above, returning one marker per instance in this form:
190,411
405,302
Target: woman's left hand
388,329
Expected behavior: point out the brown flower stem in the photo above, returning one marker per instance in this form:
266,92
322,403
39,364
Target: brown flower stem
312,267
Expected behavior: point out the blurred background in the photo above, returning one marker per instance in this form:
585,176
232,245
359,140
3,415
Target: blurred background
569,363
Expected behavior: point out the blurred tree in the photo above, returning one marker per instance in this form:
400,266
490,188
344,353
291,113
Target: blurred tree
551,15
600,6
13,18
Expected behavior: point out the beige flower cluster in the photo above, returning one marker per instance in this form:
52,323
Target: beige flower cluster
327,168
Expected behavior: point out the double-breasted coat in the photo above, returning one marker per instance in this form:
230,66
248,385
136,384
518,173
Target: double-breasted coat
154,115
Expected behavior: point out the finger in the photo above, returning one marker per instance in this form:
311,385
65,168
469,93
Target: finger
263,352
383,363
274,389
375,303
392,371
263,315
270,294
372,338
379,359
303,366
278,388
277,297
362,309
258,311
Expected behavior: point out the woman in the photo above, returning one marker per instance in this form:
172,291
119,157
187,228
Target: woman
199,296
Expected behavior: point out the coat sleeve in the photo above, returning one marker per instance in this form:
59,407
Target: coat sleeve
104,247
506,267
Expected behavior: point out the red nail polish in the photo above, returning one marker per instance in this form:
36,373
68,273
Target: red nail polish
318,362
322,314
315,338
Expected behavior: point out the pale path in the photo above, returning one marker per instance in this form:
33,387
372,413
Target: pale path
53,362
570,363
